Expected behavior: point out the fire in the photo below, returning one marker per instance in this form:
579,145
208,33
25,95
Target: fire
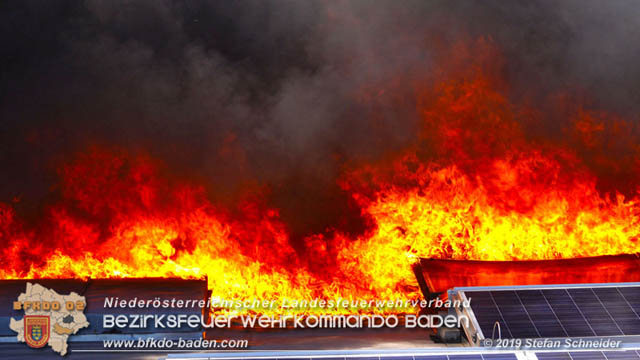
471,186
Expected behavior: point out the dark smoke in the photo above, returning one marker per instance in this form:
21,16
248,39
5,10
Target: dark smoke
279,92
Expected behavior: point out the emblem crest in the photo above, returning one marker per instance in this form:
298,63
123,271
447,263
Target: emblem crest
36,330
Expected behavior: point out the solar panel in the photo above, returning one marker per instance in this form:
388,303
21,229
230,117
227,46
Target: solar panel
431,357
460,353
494,356
506,356
557,312
422,354
589,355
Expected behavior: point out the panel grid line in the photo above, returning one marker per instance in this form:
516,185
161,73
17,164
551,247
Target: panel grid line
580,311
527,312
553,312
608,313
500,313
628,303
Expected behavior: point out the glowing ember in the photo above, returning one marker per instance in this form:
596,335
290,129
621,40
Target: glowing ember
472,186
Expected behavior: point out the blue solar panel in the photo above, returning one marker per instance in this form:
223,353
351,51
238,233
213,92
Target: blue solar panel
589,355
558,312
554,356
594,312
567,313
465,357
428,357
632,294
622,355
507,356
620,309
487,313
354,355
538,310
514,314
494,356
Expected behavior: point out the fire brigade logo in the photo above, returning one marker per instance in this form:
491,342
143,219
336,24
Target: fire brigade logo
36,332
49,318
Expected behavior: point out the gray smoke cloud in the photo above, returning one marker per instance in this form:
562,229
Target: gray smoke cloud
284,92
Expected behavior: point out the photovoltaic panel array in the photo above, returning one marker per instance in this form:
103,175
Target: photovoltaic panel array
549,355
490,356
382,355
590,355
558,312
